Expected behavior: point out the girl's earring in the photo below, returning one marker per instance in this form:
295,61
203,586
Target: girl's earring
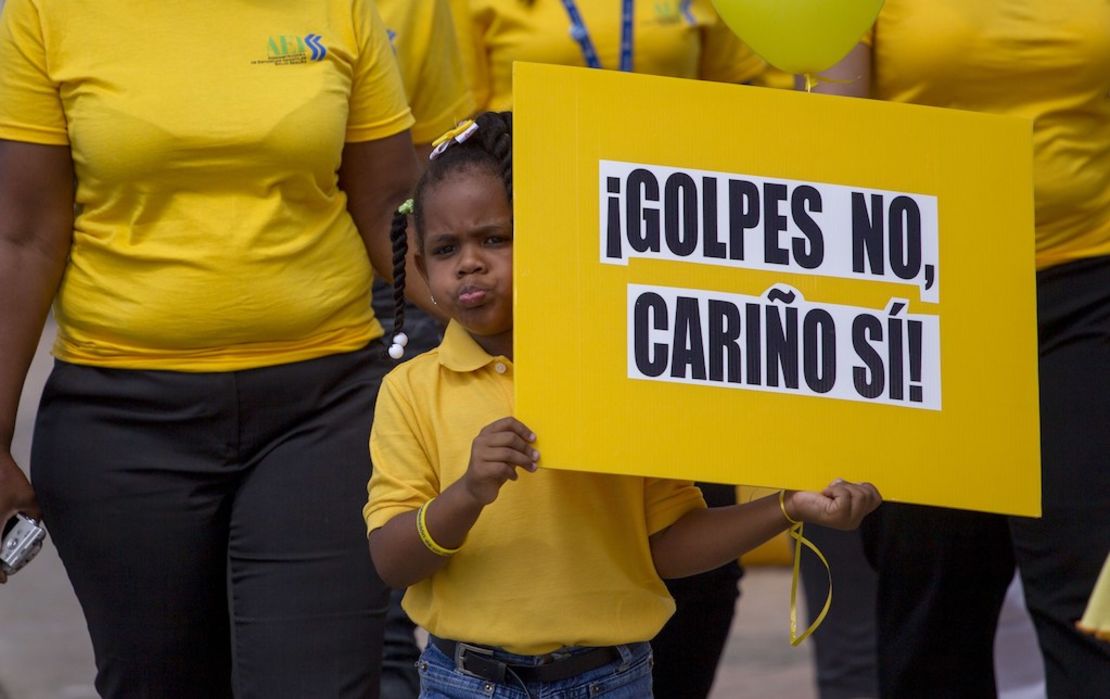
433,300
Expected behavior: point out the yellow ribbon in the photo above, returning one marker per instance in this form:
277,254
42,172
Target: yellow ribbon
799,541
455,132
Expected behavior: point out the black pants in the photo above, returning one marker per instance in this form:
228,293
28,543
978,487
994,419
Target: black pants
942,577
943,573
400,680
211,525
689,647
844,645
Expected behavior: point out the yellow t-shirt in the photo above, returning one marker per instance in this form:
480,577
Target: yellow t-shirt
210,234
460,18
423,37
677,38
1048,60
561,558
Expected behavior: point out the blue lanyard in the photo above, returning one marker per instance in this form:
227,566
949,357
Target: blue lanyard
581,35
687,13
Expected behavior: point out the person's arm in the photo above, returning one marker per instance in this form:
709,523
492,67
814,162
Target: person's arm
423,151
704,539
400,556
851,77
377,176
36,231
439,95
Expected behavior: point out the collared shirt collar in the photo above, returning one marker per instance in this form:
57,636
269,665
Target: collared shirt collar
459,352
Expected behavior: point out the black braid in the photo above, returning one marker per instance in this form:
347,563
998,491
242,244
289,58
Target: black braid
502,149
398,236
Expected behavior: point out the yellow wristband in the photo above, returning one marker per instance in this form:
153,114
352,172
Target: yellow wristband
782,506
426,536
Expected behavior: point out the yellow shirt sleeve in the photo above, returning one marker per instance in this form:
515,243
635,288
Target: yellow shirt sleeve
460,19
666,501
470,30
431,66
403,476
30,106
378,107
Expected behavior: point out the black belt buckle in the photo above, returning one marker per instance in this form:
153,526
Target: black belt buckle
479,661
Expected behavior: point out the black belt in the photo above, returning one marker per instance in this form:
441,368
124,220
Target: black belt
479,661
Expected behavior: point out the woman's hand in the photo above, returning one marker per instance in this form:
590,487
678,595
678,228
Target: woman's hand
842,505
16,494
498,450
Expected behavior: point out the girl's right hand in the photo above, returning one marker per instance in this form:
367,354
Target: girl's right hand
842,505
498,450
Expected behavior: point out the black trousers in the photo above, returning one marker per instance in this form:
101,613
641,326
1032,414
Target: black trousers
211,525
943,573
689,647
844,645
942,577
400,679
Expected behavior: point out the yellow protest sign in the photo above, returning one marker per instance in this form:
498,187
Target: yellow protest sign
745,285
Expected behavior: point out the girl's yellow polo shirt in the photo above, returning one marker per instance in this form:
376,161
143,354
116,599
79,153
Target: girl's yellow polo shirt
561,558
211,234
676,38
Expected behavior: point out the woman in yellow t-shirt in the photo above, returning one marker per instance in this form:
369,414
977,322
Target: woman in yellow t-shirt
200,188
676,38
943,573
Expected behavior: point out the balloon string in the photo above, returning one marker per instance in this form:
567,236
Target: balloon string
813,81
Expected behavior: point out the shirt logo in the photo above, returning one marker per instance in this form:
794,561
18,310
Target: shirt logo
666,12
288,49
674,12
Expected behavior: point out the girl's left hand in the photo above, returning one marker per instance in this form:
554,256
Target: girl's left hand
842,505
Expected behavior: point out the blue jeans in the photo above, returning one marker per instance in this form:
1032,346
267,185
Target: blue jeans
627,678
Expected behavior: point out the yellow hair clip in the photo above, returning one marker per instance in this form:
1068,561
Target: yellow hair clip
459,134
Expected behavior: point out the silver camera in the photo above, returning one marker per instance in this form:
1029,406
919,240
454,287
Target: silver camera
23,539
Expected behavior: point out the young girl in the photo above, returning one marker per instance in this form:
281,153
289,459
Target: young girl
551,585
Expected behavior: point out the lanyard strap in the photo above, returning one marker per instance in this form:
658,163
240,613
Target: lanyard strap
581,35
687,13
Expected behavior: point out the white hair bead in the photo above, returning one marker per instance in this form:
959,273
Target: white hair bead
396,351
401,339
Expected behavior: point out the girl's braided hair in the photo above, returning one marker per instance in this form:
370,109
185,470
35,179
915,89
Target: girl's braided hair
490,148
